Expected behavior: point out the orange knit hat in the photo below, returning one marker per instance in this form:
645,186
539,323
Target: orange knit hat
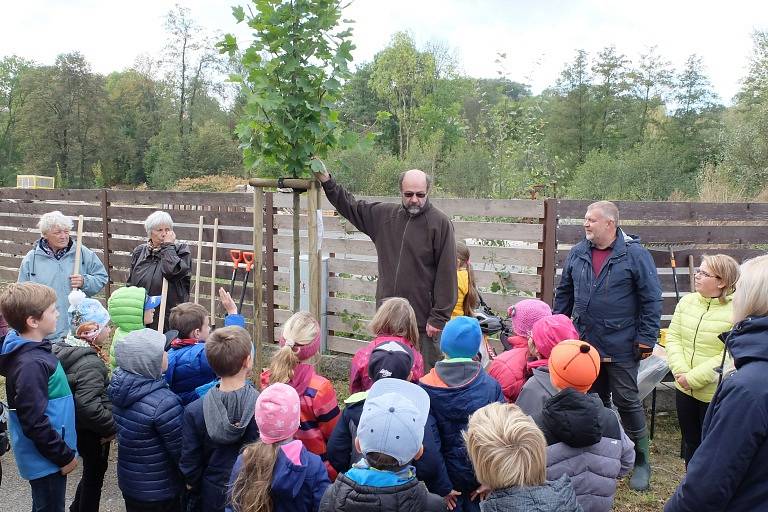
574,364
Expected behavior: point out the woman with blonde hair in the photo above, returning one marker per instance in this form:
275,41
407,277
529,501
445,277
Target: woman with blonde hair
730,468
292,365
394,321
693,347
468,298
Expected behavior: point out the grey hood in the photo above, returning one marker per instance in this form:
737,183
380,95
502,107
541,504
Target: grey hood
141,352
227,414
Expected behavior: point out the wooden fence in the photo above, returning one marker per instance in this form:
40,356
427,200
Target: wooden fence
517,246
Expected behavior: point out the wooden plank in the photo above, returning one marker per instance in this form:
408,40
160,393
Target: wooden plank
30,237
139,213
509,280
679,235
10,261
37,209
345,345
661,256
348,323
58,194
105,253
548,247
524,208
351,286
359,307
355,267
667,210
9,275
195,199
30,223
269,261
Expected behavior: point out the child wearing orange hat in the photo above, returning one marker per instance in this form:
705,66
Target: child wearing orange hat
584,438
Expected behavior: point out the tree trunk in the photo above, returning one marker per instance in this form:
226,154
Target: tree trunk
296,252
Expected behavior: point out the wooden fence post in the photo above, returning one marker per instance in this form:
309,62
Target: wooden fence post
549,248
105,238
258,265
269,263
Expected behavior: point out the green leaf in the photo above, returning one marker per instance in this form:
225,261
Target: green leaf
238,13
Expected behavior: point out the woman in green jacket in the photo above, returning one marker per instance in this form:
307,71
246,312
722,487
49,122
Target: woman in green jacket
693,347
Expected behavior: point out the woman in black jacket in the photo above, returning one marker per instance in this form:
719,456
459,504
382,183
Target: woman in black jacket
84,361
162,257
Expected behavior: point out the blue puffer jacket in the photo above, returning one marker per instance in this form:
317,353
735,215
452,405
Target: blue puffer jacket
456,390
148,417
40,267
430,468
730,468
188,367
618,308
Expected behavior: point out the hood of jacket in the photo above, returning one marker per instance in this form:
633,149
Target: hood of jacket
13,345
457,373
747,341
128,388
557,495
217,417
573,418
126,309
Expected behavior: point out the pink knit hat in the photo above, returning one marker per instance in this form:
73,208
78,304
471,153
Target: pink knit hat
277,413
551,330
525,313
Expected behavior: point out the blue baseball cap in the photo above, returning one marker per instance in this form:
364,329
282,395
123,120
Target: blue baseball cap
151,302
393,419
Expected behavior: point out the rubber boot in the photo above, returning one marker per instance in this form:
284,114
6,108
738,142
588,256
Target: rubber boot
641,475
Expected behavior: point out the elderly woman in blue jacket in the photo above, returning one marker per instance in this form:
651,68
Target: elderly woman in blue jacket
51,262
729,470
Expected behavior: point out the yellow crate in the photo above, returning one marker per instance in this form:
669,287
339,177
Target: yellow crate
663,337
33,181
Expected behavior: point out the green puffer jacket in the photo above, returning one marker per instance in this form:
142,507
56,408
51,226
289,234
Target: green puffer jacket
693,346
126,309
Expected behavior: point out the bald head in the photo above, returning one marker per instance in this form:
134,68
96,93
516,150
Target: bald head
415,180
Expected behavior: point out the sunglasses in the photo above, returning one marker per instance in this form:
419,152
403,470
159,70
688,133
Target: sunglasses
420,195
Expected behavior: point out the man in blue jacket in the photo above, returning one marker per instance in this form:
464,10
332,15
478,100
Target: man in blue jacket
611,290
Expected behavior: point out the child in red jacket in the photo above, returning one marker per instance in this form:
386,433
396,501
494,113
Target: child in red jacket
514,367
291,365
393,321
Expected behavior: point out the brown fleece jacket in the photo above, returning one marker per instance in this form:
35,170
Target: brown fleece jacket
417,254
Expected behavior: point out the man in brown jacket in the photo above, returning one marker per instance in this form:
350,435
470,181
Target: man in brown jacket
416,251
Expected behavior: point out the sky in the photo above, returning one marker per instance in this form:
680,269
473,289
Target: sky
538,36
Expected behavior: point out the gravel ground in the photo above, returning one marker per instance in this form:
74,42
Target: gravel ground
16,496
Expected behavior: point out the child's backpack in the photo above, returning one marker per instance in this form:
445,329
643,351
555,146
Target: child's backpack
5,440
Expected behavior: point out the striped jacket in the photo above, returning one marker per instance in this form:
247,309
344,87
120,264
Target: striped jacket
319,410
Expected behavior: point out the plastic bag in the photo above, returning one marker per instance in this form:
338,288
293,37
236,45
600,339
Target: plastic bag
652,370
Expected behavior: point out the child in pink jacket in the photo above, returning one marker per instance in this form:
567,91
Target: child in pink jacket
512,368
394,321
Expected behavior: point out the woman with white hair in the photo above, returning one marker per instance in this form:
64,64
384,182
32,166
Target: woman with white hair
729,469
51,262
162,257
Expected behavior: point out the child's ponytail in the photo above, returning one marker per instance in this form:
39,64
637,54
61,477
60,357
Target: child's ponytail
251,490
299,342
472,298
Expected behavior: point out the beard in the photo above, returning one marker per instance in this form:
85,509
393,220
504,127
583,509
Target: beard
414,209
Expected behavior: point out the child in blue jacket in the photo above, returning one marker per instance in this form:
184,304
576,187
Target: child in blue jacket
148,417
219,424
277,472
42,410
457,387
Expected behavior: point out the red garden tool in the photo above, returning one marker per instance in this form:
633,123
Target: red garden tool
237,257
248,259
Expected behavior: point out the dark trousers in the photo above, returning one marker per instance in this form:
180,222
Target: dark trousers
617,383
430,350
690,415
173,505
49,493
95,457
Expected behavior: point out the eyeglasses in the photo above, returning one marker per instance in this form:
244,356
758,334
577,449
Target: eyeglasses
420,195
705,274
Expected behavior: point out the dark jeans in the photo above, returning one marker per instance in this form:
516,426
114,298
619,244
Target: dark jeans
430,350
49,493
173,505
690,415
617,382
95,461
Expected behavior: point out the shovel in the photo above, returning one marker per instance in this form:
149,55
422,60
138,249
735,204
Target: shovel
236,256
248,258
